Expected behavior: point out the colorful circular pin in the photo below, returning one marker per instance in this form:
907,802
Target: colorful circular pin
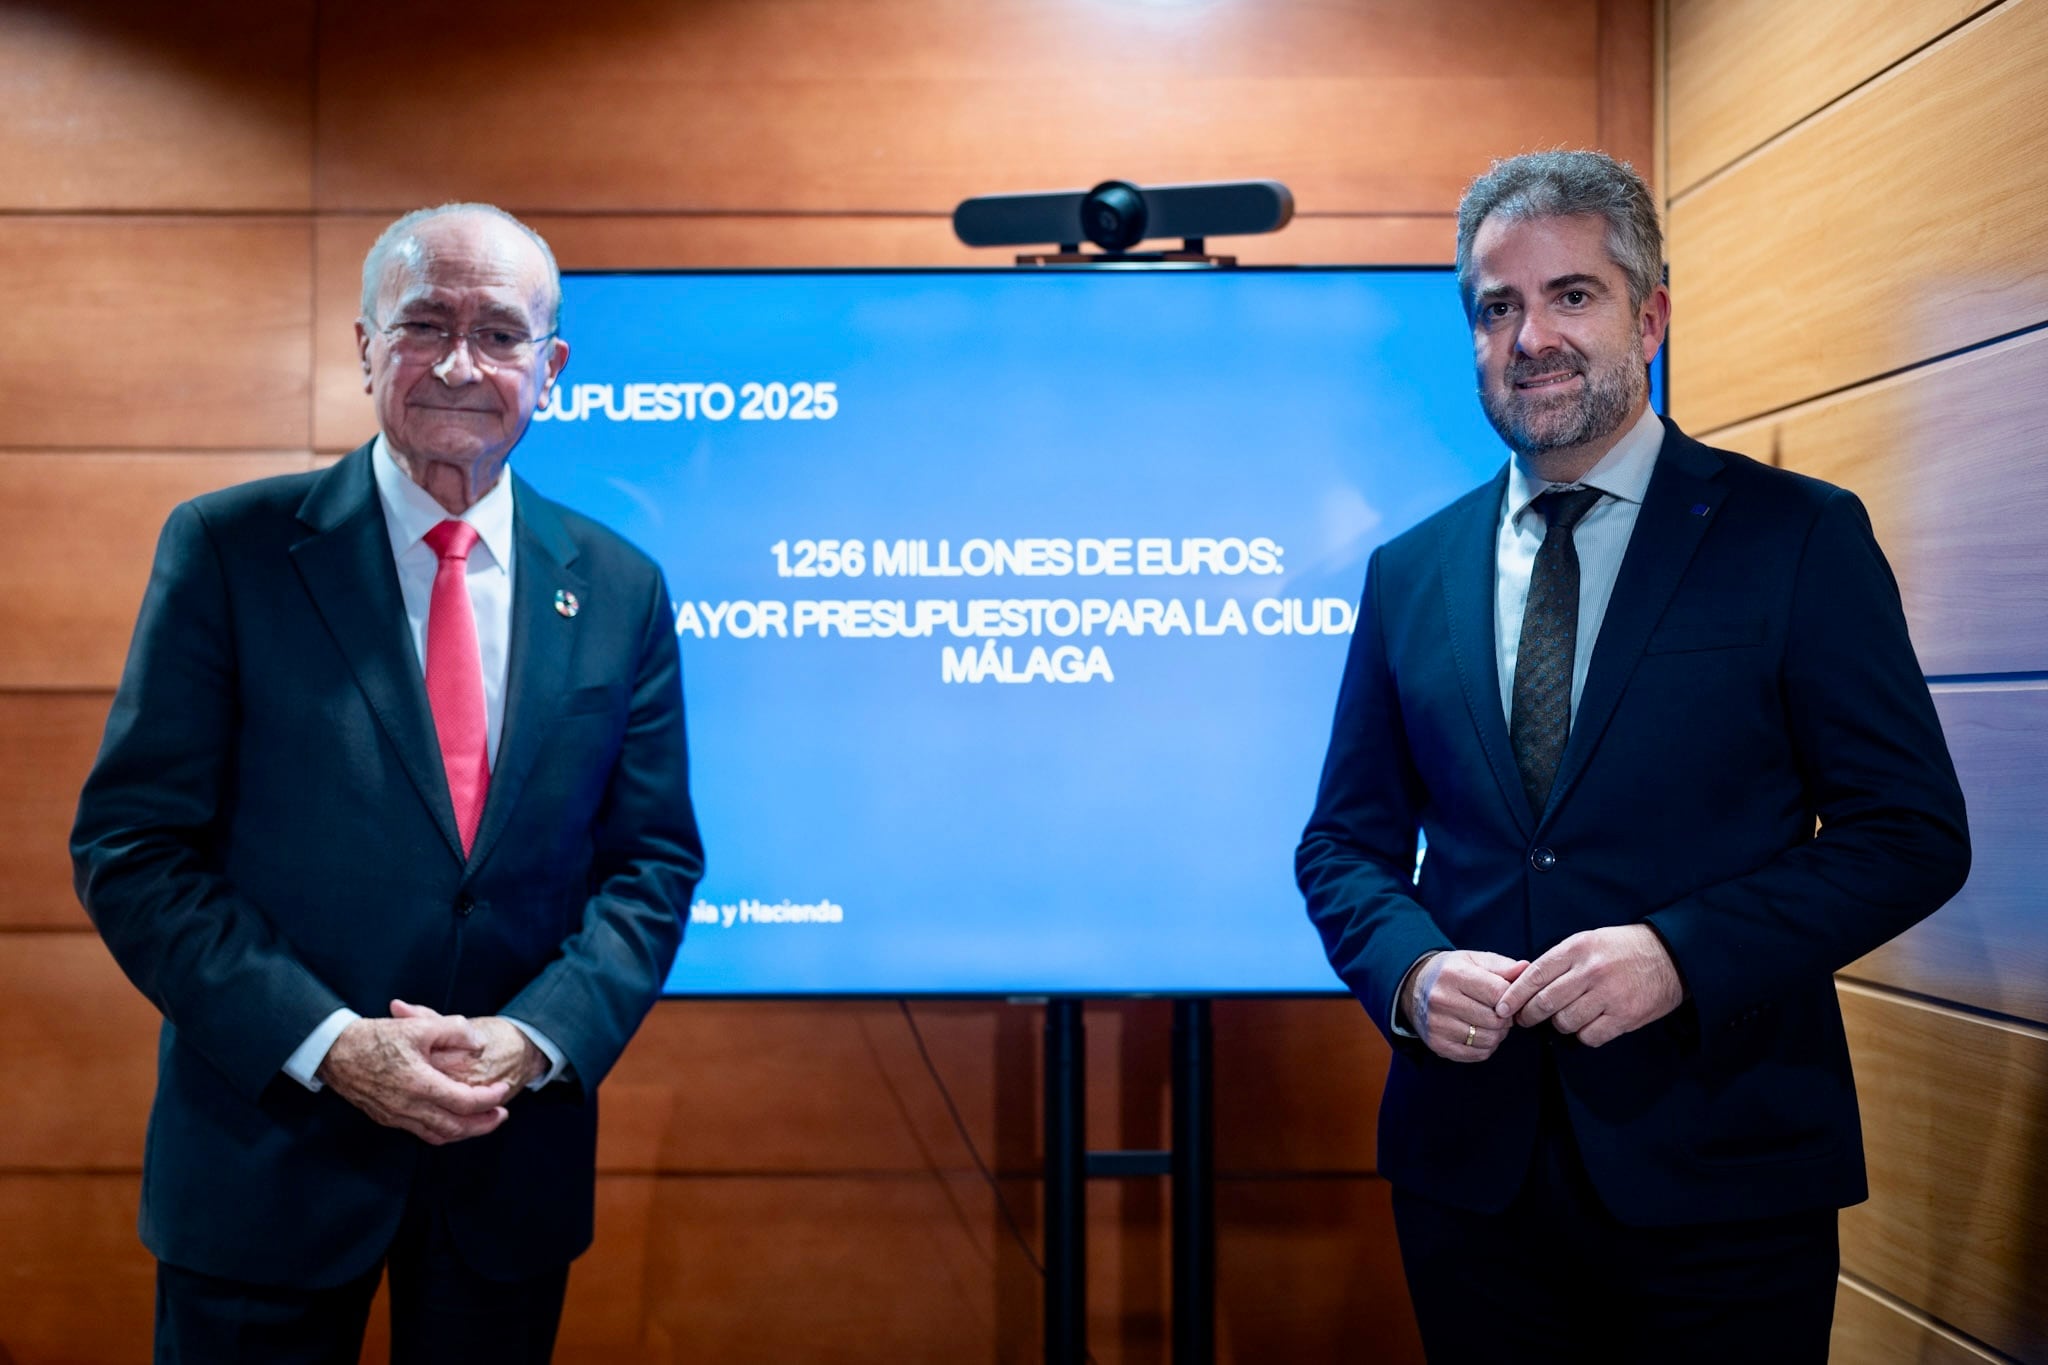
566,603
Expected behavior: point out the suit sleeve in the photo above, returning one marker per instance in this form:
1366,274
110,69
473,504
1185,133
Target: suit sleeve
1893,844
1356,861
145,847
647,859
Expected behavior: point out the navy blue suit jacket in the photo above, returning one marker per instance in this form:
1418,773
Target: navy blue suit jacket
1752,677
267,835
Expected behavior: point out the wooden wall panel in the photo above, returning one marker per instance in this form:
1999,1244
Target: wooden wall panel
71,1025
1743,70
343,418
843,1270
914,104
1906,221
1947,459
1349,239
1309,1271
745,1269
920,1269
743,1089
182,223
1988,947
1858,194
49,740
75,581
1955,1118
1628,50
78,1288
729,241
114,105
748,1087
1872,1329
155,333
1298,1086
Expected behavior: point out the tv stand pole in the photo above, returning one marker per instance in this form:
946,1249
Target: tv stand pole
1194,1186
1066,1187
1189,1164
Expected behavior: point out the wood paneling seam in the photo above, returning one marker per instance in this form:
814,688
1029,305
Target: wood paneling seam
1925,1320
1709,433
1911,1000
1660,99
1878,77
119,215
1990,682
663,213
906,1175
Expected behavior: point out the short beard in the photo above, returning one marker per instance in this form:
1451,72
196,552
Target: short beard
1603,404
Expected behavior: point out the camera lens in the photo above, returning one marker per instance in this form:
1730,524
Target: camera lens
1113,215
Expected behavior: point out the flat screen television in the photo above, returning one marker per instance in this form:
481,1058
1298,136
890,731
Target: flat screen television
1012,603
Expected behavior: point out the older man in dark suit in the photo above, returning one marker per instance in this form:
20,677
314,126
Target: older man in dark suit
1654,708
391,821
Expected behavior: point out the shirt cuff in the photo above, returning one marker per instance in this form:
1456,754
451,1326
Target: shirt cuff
556,1062
307,1056
1401,1030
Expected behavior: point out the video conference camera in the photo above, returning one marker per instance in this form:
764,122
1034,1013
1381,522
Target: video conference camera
1117,215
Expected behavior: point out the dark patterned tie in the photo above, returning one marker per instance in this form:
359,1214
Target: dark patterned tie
1540,713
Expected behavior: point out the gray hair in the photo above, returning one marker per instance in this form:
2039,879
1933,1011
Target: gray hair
1563,184
393,239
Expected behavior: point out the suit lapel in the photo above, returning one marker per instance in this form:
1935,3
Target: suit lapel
347,568
1683,499
1467,558
543,641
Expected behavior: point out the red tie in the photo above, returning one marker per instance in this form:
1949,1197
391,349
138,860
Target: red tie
455,678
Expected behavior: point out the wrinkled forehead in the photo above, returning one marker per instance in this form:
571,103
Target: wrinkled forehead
465,265
1549,244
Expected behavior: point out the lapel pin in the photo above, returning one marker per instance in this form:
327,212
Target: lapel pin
1699,509
566,603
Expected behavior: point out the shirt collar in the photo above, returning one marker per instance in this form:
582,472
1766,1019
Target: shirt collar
1623,472
410,511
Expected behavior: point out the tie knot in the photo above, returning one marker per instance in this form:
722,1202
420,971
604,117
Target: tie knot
1563,508
452,539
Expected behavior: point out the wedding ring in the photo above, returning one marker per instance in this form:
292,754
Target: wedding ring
1471,1032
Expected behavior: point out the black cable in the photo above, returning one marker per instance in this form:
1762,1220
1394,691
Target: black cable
959,1125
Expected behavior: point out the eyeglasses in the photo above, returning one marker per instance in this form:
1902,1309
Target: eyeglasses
412,340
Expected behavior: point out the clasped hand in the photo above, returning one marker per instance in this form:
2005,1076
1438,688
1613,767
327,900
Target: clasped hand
441,1078
1596,985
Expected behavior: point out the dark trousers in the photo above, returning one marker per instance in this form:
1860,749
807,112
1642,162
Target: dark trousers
442,1312
1557,1278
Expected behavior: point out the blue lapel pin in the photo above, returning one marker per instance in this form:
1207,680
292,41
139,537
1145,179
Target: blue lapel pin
1699,509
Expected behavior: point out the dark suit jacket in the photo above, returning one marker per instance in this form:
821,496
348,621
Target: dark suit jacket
267,836
1752,675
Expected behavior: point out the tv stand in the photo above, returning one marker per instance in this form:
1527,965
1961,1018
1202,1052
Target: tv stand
1069,1165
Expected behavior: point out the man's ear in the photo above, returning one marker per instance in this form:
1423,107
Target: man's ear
558,360
363,350
1654,321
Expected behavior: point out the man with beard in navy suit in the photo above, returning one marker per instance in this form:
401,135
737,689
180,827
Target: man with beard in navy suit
1654,708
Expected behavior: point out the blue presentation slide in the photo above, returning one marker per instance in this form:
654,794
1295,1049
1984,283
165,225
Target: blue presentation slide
1012,604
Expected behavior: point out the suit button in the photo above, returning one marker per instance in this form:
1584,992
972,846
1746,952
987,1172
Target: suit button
1542,859
464,907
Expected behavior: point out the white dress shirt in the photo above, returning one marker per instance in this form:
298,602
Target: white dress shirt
1601,538
409,513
